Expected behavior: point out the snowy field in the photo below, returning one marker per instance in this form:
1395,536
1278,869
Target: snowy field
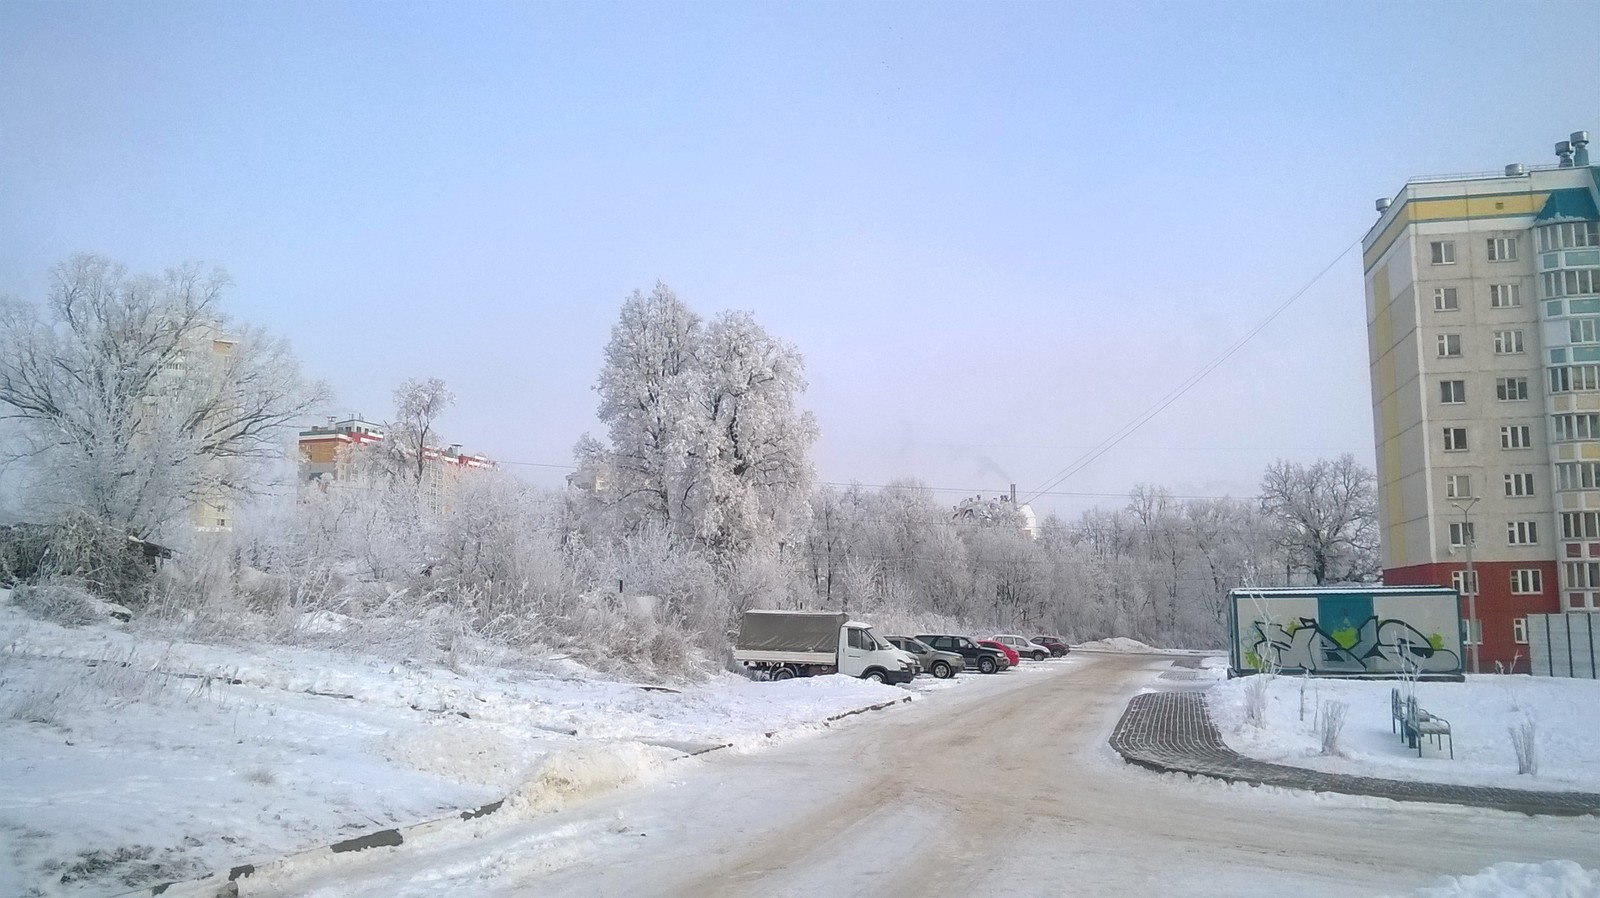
1564,713
130,762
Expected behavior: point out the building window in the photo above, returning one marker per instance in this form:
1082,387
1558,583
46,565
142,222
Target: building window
1502,249
1509,389
1568,236
1472,632
1455,439
1527,581
1507,342
1505,296
1578,475
1575,379
1576,427
1580,525
1460,533
1516,436
1465,582
1583,330
1443,252
1519,630
1571,282
1458,486
1445,299
1451,391
1450,345
1522,533
1519,485
1582,574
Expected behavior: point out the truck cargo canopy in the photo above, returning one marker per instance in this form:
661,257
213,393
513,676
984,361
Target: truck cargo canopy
790,631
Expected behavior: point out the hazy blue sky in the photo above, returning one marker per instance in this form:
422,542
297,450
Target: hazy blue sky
997,231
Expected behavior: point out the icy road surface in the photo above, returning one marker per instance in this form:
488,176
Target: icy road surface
1004,788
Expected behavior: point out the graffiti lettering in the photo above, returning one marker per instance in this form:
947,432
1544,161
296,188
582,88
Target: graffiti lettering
1377,646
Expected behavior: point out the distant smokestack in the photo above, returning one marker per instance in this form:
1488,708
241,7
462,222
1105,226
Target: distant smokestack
1564,153
1580,147
1013,493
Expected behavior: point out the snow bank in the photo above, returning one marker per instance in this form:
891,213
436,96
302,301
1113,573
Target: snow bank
1551,879
586,771
1116,644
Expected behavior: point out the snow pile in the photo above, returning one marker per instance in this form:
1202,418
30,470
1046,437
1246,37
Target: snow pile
1551,879
1565,714
1116,644
578,773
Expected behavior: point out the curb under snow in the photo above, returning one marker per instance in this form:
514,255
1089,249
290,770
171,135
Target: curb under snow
226,885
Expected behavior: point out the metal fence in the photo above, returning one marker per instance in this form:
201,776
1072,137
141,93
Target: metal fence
1564,645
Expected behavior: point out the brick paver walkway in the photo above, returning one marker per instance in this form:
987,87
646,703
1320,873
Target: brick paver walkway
1172,732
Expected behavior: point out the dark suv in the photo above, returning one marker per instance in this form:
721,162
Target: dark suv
984,659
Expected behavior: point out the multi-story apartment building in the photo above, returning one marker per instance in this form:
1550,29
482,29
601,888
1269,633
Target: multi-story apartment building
1483,323
326,453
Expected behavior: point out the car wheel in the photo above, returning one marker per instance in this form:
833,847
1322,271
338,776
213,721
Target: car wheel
986,665
783,673
942,671
874,675
1038,656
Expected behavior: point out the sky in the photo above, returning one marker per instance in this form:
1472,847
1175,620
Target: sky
999,233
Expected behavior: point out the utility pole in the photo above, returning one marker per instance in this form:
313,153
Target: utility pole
1474,629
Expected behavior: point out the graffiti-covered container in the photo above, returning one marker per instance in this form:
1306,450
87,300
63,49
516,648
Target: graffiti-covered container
1347,631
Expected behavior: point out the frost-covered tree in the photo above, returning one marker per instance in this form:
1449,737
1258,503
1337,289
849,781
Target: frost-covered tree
648,388
756,460
706,441
1326,514
418,405
136,397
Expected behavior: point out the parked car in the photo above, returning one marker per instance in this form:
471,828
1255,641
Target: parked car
1023,646
985,660
942,665
1055,644
1012,657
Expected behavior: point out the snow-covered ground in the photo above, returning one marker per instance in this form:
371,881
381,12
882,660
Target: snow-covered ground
130,761
1565,715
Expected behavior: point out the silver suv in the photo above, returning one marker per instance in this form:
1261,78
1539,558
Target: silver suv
943,665
1023,646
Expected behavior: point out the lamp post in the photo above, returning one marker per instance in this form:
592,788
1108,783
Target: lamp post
1473,628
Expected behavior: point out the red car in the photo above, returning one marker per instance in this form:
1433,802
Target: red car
1010,653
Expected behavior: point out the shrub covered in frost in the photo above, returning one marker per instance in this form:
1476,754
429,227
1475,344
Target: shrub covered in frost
66,604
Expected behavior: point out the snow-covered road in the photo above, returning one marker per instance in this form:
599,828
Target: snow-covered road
1004,788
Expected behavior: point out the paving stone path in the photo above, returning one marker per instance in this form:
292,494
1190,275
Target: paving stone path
1171,732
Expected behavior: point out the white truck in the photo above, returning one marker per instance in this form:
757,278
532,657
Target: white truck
788,644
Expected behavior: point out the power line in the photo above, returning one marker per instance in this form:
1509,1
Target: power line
1128,429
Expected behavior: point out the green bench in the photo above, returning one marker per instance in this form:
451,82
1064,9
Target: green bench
1415,724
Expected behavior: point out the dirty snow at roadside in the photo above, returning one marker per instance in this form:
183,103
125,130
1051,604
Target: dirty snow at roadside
131,762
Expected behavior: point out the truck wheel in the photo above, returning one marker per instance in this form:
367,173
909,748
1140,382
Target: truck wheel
986,665
875,675
783,673
942,671
1038,656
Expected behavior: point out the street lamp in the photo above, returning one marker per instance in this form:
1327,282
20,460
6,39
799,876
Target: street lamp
1468,537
